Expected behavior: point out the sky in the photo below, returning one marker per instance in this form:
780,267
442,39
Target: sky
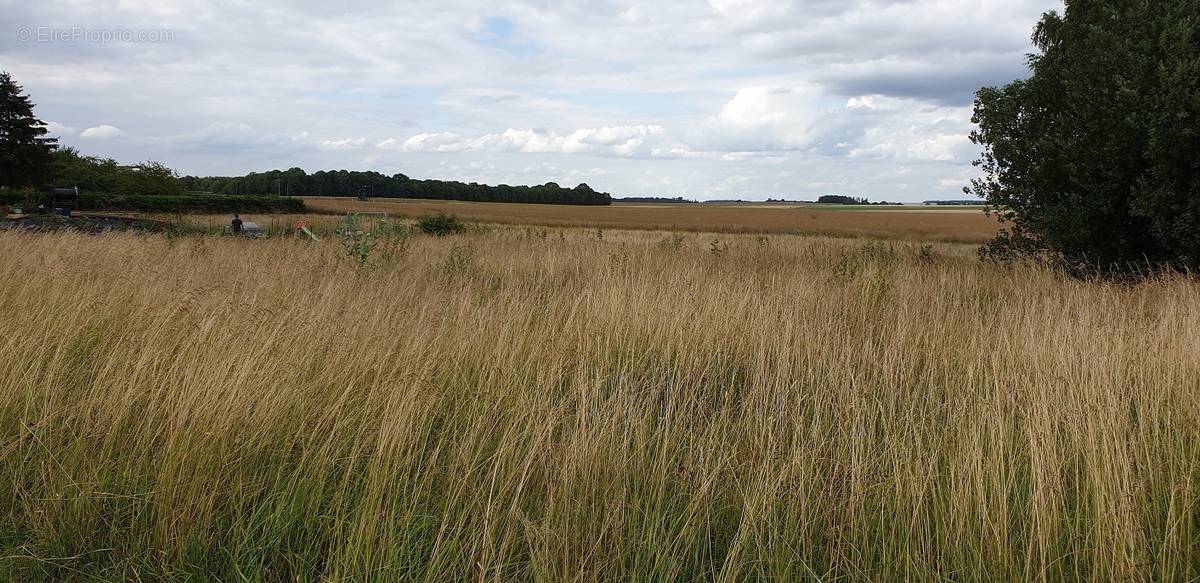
704,99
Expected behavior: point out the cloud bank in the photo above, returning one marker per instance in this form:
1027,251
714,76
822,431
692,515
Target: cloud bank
718,98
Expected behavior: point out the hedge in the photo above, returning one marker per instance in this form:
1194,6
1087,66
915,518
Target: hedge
189,203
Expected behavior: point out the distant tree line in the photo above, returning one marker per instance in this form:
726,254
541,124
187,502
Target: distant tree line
656,200
106,185
841,199
296,182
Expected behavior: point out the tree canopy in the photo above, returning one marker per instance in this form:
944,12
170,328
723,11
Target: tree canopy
297,182
25,151
841,199
1094,160
105,175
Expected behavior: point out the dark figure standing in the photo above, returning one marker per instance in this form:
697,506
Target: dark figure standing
237,224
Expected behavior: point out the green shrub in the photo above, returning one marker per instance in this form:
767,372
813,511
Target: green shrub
191,203
19,198
187,203
440,225
373,245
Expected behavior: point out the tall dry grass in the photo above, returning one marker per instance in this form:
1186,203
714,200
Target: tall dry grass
508,407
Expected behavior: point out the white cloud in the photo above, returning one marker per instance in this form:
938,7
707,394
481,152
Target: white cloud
435,142
910,131
748,14
911,146
620,141
59,129
343,144
760,119
101,132
233,137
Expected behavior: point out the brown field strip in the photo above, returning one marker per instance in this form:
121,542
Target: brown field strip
943,225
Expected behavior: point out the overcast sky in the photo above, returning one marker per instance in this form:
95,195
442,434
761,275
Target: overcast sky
697,98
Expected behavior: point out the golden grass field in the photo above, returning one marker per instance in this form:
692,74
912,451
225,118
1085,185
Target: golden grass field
909,223
505,406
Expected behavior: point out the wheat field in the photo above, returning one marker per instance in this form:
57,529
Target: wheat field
556,406
942,224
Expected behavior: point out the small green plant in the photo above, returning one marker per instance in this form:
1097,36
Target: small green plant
177,229
672,243
459,263
716,248
879,252
394,240
926,254
881,284
622,258
381,243
846,268
358,243
762,241
539,234
599,234
440,225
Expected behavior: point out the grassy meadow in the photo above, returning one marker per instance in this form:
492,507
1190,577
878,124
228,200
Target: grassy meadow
554,405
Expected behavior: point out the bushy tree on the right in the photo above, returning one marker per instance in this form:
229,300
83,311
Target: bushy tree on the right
1094,160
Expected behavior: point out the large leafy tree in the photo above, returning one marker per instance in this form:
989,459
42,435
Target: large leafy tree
1094,160
25,151
95,174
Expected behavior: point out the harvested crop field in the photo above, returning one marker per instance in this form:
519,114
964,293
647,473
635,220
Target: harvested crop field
914,224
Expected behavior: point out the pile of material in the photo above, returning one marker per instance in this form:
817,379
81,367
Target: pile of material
14,219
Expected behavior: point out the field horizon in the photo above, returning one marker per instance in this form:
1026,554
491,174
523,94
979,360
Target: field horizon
941,224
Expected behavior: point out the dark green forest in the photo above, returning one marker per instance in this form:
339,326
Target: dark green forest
296,182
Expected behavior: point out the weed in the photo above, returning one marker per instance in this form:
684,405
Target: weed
440,225
674,242
357,242
381,243
716,248
459,263
926,254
